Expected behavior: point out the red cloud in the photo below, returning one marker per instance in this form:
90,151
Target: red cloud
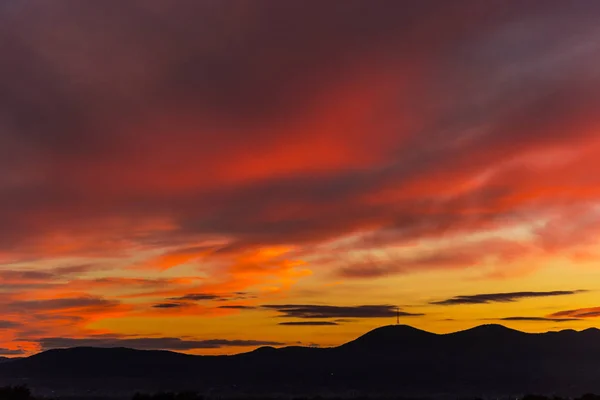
591,312
215,140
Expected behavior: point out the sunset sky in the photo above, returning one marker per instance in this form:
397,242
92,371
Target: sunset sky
213,176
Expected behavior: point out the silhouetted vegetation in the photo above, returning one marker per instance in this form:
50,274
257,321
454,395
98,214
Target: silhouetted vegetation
24,393
15,393
168,396
196,396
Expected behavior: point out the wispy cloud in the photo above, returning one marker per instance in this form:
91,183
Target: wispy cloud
327,311
537,319
309,323
170,305
9,324
78,304
197,297
591,312
12,352
508,297
237,307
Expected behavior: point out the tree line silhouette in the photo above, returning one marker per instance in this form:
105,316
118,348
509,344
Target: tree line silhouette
24,393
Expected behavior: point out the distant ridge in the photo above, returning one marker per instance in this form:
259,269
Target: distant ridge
390,336
490,329
396,359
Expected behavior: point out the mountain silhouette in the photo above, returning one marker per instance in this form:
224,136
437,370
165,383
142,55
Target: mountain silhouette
399,359
390,337
489,331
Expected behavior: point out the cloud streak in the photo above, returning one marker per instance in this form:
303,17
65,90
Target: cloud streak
537,319
308,323
8,324
197,297
12,352
310,311
509,297
170,305
592,312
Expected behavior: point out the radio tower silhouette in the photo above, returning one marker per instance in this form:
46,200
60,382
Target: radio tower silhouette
397,315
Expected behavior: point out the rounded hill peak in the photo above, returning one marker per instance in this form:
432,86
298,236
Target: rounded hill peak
488,331
264,349
391,336
591,331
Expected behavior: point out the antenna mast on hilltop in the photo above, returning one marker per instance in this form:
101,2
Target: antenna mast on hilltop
397,315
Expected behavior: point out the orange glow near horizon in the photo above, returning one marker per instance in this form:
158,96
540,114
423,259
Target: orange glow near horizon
215,180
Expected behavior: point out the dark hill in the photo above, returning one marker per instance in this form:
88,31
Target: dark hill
386,338
84,361
489,359
490,331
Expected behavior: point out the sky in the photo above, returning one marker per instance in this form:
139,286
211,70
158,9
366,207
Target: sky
211,177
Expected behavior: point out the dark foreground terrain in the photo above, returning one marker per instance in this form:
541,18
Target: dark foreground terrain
24,393
486,361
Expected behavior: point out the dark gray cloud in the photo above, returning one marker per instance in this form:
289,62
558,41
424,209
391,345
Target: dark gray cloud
326,311
222,61
171,305
165,343
197,297
19,280
9,324
12,280
538,319
12,352
58,318
25,276
188,299
508,297
85,302
237,307
309,344
182,301
309,323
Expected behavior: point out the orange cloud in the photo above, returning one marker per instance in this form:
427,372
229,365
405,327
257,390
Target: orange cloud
591,312
218,157
178,257
267,268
